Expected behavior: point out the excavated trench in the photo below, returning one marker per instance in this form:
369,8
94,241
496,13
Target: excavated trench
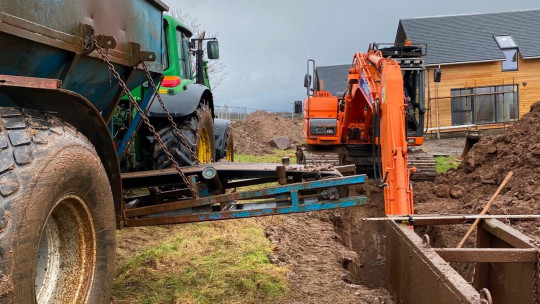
366,238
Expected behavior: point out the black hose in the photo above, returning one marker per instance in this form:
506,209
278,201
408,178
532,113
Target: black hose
376,149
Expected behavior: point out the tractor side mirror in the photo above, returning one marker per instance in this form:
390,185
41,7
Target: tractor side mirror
298,107
437,75
307,81
212,48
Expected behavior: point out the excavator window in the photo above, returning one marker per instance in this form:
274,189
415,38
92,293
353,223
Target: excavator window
413,91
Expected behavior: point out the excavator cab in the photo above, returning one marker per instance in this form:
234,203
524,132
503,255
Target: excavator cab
412,67
321,115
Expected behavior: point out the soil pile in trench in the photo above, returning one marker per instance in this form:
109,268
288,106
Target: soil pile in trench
320,265
467,189
252,135
332,256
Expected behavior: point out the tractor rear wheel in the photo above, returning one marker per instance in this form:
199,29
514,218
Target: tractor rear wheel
198,131
57,225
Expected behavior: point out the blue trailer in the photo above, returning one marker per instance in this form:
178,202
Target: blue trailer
61,187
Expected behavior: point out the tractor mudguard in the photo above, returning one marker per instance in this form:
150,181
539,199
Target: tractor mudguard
183,103
80,113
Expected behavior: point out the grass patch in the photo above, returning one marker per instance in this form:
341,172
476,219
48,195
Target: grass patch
210,262
217,262
445,163
275,157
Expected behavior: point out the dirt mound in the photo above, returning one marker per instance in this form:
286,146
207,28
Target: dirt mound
252,135
468,188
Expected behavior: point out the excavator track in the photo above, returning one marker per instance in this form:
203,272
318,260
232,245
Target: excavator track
424,163
315,156
339,156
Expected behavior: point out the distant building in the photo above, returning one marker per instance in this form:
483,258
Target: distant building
490,66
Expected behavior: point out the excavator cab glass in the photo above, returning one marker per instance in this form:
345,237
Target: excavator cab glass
307,81
413,89
298,107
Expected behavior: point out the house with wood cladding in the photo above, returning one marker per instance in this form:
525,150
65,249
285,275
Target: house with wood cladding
489,64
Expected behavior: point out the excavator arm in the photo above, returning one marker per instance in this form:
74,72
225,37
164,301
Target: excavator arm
379,83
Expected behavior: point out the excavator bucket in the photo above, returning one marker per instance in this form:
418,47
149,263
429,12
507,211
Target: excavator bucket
472,137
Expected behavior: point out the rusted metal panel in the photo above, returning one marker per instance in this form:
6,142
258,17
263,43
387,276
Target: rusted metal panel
488,255
30,82
506,234
226,171
237,214
449,219
290,198
417,274
505,262
507,282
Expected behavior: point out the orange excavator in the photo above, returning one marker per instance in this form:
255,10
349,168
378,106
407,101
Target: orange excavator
374,123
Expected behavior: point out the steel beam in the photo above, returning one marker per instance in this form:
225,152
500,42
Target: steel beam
488,255
226,171
316,195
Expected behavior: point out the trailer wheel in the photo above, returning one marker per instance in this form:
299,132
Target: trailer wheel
224,140
229,148
57,225
198,131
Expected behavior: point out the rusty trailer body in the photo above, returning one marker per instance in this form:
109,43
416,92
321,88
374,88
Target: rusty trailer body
48,63
506,266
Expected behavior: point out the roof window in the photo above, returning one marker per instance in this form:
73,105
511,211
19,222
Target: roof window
510,49
505,42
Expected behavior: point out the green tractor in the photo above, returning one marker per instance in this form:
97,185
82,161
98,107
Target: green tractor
186,94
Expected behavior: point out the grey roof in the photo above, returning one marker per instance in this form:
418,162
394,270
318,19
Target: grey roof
469,38
334,77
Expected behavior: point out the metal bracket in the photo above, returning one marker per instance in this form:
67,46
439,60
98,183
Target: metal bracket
88,38
106,42
103,41
138,56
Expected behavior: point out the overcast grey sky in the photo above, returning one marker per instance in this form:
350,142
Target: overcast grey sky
264,45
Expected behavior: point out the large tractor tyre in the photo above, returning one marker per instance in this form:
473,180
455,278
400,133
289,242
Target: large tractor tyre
198,131
57,224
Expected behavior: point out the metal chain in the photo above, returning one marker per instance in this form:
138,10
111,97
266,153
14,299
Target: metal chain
145,119
169,117
536,272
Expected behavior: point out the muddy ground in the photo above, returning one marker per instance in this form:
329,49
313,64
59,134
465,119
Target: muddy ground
335,257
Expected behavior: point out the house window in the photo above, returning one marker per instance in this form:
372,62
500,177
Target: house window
484,105
511,60
510,50
462,107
